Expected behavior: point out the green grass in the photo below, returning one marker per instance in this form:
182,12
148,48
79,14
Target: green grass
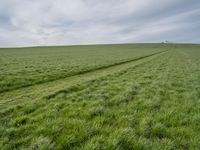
149,103
27,66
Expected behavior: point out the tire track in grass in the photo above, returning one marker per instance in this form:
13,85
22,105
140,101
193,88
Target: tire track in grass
76,88
125,74
82,72
112,76
37,91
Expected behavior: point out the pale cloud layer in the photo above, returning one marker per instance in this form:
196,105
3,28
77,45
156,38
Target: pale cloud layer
65,22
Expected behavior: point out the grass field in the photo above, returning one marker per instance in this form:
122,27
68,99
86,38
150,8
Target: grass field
27,66
129,96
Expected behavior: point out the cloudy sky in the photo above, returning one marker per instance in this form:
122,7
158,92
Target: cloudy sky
65,22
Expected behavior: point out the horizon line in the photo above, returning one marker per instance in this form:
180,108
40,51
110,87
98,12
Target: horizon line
100,44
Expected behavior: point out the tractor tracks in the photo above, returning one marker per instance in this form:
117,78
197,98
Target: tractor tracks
36,91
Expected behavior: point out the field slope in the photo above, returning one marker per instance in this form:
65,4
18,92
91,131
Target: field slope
131,96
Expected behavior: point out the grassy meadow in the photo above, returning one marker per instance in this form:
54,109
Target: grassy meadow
27,66
100,97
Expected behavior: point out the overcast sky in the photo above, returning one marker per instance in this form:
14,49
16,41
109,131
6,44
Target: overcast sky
65,22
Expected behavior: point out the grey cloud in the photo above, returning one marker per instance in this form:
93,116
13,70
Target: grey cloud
50,22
